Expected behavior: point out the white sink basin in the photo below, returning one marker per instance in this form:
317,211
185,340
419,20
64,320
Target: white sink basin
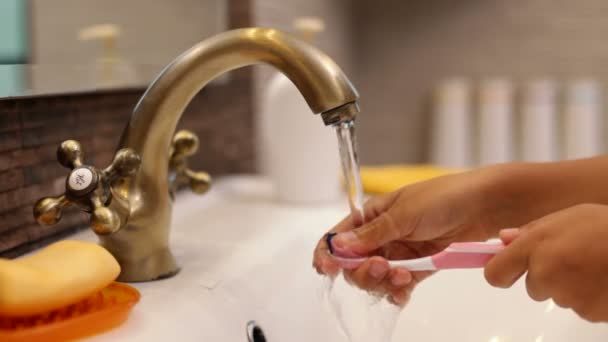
244,257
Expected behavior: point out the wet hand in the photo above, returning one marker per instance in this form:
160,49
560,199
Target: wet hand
565,256
416,221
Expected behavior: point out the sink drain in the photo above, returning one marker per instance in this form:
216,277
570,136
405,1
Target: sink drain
254,332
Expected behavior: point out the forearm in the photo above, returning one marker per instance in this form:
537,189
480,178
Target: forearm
523,192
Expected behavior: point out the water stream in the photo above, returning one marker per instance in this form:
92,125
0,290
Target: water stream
363,317
347,144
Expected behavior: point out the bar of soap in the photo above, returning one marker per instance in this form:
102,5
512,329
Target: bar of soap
54,277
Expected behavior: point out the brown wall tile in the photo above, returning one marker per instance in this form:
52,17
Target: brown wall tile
33,232
10,140
32,128
42,172
35,117
28,195
54,133
16,218
25,157
9,121
11,179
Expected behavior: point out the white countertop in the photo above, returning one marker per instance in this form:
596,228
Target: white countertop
245,257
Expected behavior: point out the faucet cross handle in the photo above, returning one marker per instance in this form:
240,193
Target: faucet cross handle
89,188
185,144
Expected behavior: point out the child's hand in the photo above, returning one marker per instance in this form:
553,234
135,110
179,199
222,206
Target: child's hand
565,255
418,220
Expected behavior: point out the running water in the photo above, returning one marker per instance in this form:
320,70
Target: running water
362,316
347,144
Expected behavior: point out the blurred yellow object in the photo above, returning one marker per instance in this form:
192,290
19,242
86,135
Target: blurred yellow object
54,277
382,179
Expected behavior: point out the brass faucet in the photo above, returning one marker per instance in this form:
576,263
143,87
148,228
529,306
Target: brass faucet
130,201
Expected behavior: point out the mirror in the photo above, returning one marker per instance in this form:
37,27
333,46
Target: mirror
66,46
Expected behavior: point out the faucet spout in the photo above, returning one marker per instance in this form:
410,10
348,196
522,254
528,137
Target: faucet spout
141,245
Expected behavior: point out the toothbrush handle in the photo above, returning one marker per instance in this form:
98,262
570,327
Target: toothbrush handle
457,256
451,260
466,255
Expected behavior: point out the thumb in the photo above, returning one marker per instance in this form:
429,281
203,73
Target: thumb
510,264
367,238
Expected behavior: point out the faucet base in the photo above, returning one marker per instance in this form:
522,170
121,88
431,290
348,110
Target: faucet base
159,265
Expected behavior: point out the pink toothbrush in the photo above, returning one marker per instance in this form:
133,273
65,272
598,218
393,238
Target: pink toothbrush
457,255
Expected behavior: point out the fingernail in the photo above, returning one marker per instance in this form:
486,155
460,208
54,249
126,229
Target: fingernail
509,231
341,244
509,234
377,270
343,239
401,279
329,243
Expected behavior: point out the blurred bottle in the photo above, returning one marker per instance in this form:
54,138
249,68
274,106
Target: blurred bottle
110,69
495,122
583,119
452,124
297,151
539,121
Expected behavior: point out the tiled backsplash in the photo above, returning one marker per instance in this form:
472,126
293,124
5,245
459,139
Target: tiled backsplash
32,128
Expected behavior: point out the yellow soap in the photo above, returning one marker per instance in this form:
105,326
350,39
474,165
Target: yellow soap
54,277
388,178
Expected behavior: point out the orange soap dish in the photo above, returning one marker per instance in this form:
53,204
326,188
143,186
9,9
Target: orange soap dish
100,312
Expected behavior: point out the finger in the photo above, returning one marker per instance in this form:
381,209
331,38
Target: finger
509,235
322,260
569,299
419,276
326,267
540,280
375,210
397,281
369,237
401,297
379,204
535,289
399,278
370,275
561,303
324,263
320,256
510,264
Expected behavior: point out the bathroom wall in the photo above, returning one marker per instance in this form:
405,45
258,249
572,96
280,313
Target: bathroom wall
336,41
401,48
32,127
153,31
